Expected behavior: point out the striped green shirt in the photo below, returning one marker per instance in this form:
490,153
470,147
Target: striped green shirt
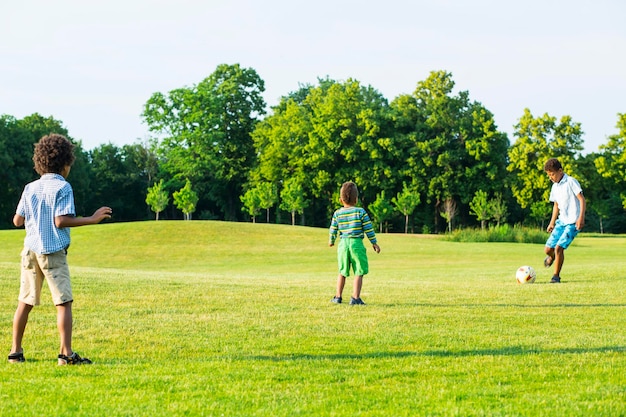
351,222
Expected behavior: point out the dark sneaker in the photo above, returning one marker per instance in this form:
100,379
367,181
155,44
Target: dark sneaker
555,280
73,359
356,301
548,261
16,357
336,300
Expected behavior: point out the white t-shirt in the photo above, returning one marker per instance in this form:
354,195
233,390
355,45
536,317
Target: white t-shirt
564,194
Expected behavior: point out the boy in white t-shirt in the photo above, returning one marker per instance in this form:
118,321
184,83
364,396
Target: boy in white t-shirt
568,215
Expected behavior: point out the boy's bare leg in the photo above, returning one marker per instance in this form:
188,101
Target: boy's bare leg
550,252
358,284
341,282
559,257
64,324
20,319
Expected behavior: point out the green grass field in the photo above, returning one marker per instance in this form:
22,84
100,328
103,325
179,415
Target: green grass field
234,319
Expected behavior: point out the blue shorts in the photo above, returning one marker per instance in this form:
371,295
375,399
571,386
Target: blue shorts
562,235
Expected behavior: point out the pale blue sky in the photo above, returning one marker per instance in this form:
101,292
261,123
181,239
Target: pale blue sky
93,65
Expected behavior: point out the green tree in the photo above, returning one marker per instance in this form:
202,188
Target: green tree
605,211
83,182
17,140
405,202
251,203
451,145
540,211
280,139
205,133
119,179
157,198
612,161
382,211
324,135
186,200
481,208
538,139
485,152
293,199
16,153
347,140
498,209
267,197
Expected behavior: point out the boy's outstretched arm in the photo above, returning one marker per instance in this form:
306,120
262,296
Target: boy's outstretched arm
72,221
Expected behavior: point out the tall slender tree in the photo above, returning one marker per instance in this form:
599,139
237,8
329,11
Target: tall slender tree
293,199
157,198
382,211
186,199
251,203
405,203
481,208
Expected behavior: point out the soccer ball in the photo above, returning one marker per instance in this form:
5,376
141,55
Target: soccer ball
525,275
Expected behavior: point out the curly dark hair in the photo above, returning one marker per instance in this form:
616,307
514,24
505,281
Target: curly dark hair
52,153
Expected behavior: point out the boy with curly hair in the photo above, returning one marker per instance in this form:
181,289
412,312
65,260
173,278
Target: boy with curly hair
352,224
46,209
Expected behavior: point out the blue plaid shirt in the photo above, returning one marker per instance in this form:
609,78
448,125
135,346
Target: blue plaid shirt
43,200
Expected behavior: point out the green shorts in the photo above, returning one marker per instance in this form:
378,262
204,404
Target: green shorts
351,254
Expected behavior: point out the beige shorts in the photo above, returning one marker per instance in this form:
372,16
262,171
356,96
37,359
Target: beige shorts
53,267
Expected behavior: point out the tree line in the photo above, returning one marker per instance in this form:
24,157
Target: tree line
426,162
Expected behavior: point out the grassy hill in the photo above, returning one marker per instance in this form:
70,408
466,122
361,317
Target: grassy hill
227,248
217,318
173,246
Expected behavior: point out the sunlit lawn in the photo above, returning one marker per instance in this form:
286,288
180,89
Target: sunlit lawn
215,318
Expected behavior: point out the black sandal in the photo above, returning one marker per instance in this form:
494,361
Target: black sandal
73,359
17,357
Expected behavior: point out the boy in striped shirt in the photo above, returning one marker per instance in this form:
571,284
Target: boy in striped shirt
352,224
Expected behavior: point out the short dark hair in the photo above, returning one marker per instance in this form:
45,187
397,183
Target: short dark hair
52,153
349,194
552,165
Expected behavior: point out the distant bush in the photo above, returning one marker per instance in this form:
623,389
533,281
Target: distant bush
504,233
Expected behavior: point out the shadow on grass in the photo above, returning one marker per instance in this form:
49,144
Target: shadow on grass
505,351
